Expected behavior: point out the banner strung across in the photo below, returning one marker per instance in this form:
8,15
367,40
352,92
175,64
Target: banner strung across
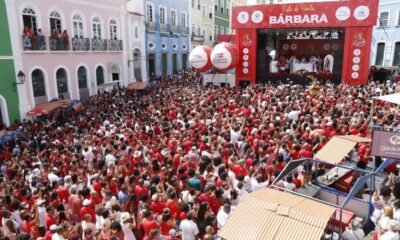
386,144
324,14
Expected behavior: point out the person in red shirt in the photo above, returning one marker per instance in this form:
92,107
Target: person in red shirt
50,218
148,223
87,209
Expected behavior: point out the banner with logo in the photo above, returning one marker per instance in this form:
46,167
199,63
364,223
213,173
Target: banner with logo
386,144
320,14
246,39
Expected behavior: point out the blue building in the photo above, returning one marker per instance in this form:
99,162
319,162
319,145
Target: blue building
385,49
167,36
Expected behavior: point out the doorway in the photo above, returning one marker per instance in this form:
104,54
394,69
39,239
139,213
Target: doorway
137,65
175,62
152,65
164,64
184,60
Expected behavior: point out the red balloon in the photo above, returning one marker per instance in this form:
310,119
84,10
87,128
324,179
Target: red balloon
199,58
225,56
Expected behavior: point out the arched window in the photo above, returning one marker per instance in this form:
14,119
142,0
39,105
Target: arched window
77,26
96,26
55,21
38,85
29,18
82,77
62,84
99,76
113,30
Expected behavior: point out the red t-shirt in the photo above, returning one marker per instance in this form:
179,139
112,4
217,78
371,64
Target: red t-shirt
50,220
148,225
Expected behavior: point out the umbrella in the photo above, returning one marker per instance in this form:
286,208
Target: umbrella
6,136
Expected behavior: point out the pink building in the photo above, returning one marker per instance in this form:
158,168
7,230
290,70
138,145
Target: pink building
68,48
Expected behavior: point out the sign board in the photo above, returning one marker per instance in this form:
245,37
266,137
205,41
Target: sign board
320,14
218,79
386,144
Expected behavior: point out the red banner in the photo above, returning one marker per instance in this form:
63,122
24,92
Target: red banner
247,44
322,14
356,55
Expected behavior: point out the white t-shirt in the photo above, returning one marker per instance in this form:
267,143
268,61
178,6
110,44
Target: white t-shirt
128,233
189,230
353,235
222,217
289,186
57,236
235,136
257,186
53,178
389,235
294,115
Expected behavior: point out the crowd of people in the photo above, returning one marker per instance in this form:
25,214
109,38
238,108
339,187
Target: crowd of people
171,162
36,40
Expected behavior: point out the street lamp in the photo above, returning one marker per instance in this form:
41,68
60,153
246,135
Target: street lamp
21,79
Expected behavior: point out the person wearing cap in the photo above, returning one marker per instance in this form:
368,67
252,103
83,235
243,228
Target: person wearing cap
50,232
87,209
59,234
128,223
40,216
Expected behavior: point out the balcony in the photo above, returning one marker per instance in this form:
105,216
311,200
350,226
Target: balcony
185,30
38,44
151,27
164,28
115,45
197,38
175,29
58,44
99,45
81,44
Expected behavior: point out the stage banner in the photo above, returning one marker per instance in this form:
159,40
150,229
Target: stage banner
246,40
319,14
386,144
356,55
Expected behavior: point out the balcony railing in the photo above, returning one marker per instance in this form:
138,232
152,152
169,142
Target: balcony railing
115,45
175,29
81,44
151,26
58,44
164,28
34,44
99,45
185,30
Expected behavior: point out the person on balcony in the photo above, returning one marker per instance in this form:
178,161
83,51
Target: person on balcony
25,39
40,41
65,39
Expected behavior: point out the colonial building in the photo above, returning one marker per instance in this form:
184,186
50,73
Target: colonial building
167,36
202,19
67,49
222,13
385,49
9,104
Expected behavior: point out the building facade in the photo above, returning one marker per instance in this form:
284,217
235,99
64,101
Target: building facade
68,49
222,13
167,36
385,49
9,103
202,19
136,38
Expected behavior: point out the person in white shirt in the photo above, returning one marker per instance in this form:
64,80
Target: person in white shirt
88,156
392,234
256,180
110,158
189,228
289,185
223,214
59,234
87,223
236,131
53,177
354,232
127,226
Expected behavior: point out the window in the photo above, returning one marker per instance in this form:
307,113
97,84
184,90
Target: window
396,56
38,85
77,26
193,3
380,52
29,18
193,29
183,15
227,6
61,76
82,77
204,11
149,13
99,76
398,19
96,24
113,30
162,15
215,31
384,19
198,31
210,32
210,12
55,21
221,30
198,4
173,17
136,33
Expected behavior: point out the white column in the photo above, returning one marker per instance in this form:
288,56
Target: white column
125,44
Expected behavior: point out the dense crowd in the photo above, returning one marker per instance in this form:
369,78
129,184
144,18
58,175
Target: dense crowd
171,162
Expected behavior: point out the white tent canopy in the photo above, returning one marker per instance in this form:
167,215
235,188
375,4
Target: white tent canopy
392,98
